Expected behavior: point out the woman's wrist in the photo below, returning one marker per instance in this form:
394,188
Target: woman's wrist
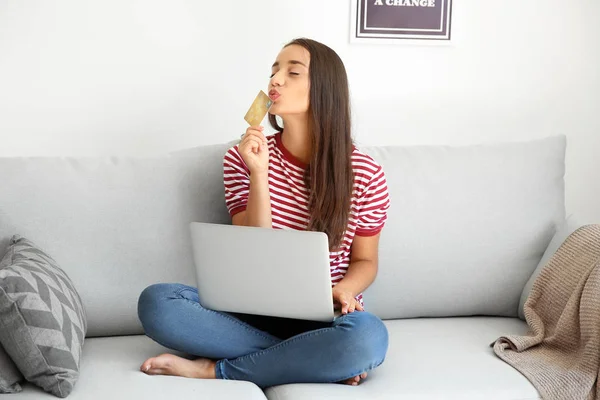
259,177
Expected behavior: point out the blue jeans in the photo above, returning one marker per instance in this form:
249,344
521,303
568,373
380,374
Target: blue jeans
265,350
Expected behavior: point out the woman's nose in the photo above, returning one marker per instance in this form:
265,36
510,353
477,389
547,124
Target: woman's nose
277,79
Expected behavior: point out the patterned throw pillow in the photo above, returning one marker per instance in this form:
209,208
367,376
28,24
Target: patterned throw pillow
9,374
42,317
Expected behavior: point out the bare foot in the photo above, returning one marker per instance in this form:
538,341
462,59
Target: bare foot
356,380
170,364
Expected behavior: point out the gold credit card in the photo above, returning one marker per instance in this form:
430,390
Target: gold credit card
258,109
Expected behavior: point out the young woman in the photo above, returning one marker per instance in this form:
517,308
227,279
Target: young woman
308,175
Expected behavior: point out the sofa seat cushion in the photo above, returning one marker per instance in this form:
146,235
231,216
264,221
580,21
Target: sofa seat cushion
110,370
440,358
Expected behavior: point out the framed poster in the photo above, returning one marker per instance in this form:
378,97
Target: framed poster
389,21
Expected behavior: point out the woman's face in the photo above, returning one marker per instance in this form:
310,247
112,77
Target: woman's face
290,84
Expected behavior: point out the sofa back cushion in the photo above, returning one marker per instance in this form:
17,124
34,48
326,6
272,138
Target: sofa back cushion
467,226
114,224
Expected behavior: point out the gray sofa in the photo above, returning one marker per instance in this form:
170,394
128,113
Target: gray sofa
468,231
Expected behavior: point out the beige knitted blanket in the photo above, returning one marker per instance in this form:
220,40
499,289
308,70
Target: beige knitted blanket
560,354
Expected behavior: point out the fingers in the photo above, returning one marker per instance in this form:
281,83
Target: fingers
352,306
259,138
255,128
345,306
345,301
253,143
254,139
349,305
254,131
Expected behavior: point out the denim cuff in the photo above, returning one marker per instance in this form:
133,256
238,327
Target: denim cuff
219,370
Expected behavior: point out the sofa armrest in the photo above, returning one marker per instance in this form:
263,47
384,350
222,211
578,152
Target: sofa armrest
570,225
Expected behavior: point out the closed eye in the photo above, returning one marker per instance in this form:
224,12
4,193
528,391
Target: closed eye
291,73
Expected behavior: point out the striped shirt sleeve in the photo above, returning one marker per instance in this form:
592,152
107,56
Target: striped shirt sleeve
236,178
374,205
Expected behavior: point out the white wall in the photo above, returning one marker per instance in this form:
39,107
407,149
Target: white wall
82,77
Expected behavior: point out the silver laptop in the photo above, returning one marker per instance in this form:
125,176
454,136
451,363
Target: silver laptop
262,271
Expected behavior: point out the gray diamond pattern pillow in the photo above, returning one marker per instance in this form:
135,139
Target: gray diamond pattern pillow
9,374
42,317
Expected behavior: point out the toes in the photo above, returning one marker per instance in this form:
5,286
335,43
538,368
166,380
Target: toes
353,381
156,371
146,365
159,362
356,380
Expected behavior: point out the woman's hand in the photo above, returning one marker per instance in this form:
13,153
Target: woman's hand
344,301
255,150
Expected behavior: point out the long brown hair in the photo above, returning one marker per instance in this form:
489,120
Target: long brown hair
329,176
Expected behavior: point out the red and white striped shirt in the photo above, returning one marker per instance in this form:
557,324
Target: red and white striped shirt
289,196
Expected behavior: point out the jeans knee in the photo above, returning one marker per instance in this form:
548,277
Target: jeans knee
368,335
151,299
